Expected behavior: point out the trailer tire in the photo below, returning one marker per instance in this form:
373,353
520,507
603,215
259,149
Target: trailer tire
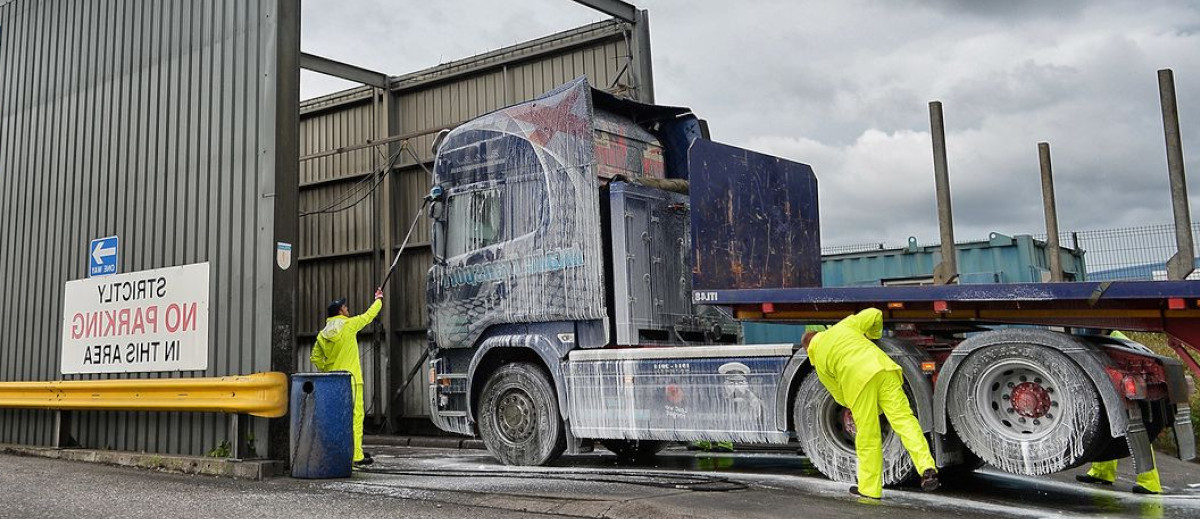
830,447
519,418
1027,409
634,451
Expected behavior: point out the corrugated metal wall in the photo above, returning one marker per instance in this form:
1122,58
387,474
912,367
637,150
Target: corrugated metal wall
156,122
419,104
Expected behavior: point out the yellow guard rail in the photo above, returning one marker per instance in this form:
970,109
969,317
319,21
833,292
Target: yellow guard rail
259,394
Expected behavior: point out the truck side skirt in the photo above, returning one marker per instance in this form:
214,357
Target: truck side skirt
678,393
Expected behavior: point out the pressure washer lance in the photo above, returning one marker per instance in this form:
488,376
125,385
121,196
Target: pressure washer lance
434,194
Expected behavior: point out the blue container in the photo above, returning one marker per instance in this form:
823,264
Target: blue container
999,259
322,407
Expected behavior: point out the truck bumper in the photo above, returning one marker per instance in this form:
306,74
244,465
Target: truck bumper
448,401
449,420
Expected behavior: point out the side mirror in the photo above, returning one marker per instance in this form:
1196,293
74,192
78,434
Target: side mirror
438,231
437,213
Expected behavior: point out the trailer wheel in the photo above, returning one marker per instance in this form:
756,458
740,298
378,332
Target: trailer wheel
1026,409
826,433
634,450
518,416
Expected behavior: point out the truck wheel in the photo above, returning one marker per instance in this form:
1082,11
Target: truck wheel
826,433
1026,409
634,450
518,416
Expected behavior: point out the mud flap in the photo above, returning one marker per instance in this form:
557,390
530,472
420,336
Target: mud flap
576,445
939,449
948,451
1139,441
1185,438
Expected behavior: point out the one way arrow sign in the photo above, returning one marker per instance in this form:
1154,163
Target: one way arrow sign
102,256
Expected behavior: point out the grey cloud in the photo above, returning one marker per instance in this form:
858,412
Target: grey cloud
844,86
1006,9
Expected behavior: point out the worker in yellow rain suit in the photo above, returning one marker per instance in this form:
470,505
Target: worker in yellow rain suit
1105,472
337,350
863,378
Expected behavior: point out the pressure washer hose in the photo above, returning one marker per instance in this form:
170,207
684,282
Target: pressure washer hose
434,194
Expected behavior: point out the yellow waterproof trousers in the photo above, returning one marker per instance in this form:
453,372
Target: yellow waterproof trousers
885,392
1107,470
358,421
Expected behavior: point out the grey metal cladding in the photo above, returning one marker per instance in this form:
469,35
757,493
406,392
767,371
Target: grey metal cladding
146,120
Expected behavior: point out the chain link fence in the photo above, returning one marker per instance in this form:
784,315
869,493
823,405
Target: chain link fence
847,249
1130,253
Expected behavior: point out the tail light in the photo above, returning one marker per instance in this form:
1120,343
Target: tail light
1135,387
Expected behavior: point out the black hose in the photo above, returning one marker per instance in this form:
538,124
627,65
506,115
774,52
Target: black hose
690,482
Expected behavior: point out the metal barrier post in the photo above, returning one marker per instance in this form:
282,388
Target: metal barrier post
239,427
62,430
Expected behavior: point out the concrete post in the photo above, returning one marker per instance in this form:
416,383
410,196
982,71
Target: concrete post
946,271
1049,207
1181,264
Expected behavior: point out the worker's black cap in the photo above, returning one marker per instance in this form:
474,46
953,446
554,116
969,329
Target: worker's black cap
335,307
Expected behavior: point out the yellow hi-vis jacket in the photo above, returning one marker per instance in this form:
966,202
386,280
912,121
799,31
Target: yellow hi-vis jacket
845,360
337,345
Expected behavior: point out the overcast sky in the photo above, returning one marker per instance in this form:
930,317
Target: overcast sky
844,86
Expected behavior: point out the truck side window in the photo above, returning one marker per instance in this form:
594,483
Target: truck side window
474,221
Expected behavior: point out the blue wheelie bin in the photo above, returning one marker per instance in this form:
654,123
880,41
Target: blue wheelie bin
322,441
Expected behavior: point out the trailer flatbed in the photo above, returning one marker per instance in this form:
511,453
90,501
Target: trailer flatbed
1172,307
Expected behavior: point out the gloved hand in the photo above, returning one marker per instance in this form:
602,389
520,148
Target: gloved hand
378,293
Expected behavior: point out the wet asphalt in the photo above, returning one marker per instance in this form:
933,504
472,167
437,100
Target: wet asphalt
434,483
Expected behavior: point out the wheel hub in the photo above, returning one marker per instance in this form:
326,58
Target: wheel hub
848,423
1020,400
1030,400
839,427
515,416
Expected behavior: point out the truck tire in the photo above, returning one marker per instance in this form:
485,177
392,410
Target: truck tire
633,451
518,416
821,427
1026,409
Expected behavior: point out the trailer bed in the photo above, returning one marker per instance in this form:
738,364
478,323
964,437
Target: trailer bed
1154,306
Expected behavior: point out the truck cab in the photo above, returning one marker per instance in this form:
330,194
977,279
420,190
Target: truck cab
565,226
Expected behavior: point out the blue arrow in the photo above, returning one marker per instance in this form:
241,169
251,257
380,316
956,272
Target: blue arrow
100,252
